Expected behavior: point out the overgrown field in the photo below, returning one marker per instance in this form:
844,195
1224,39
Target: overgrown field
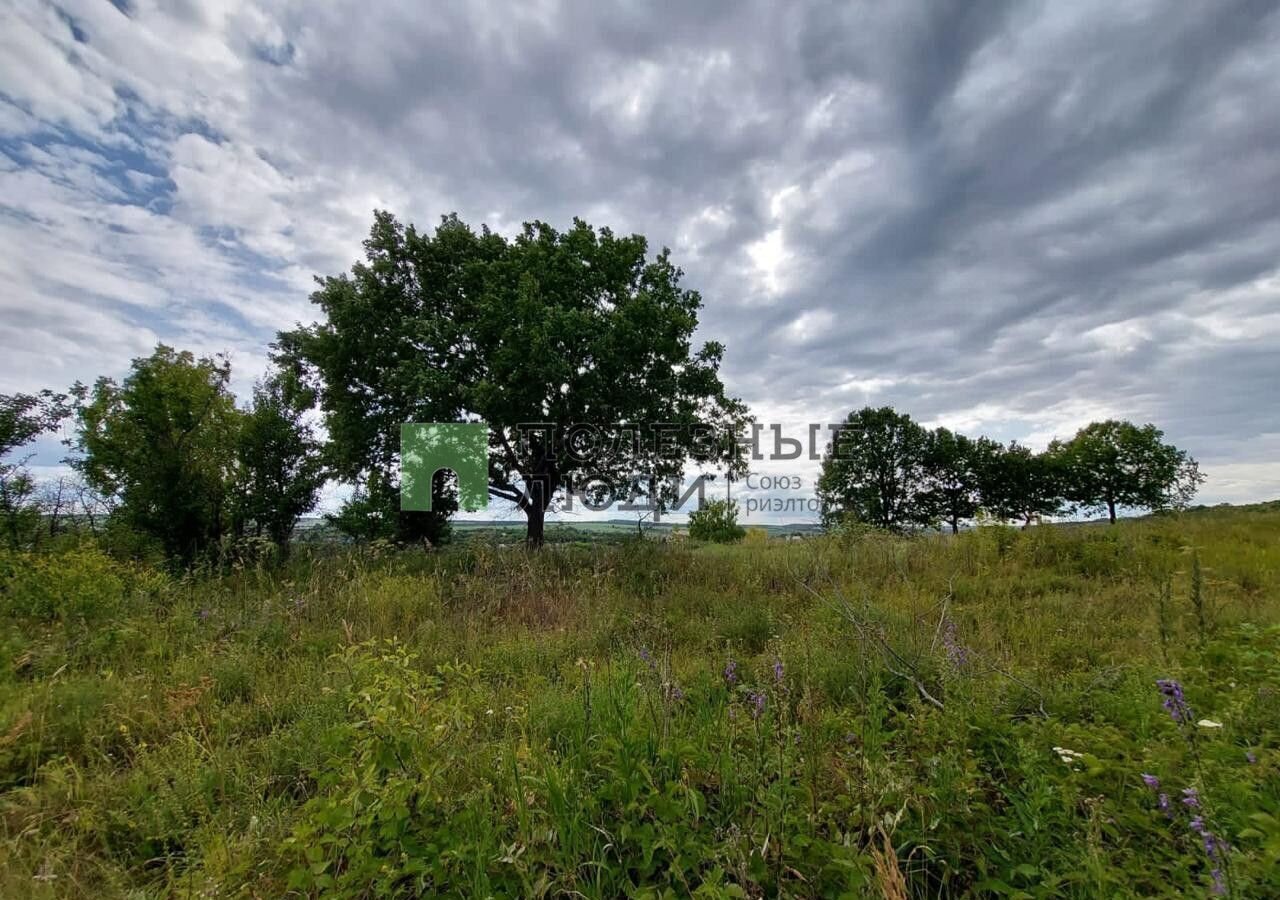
838,717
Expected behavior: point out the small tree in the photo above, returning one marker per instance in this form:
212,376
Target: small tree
716,520
23,418
874,471
163,444
280,472
1115,464
1018,483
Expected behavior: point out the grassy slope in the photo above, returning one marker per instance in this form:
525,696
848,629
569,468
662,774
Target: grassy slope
481,722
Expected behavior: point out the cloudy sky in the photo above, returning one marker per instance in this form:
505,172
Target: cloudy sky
1010,218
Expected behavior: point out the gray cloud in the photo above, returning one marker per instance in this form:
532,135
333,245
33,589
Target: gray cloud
1007,217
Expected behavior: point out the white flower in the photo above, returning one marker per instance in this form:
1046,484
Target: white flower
1209,723
1070,757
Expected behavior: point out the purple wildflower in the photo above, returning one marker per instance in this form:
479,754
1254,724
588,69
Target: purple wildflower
647,659
203,614
777,670
675,693
1250,757
1162,804
1214,848
757,704
1174,702
731,673
1151,781
1191,798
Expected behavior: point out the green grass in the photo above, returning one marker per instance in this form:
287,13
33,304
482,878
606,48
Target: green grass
485,722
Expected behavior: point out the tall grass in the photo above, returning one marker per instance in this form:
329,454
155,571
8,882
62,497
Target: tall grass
859,716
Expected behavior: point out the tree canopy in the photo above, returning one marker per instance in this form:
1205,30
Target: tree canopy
874,471
1115,464
280,469
183,465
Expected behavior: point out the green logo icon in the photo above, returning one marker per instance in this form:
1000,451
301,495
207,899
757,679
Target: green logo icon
428,447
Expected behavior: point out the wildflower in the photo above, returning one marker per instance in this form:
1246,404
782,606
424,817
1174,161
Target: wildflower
757,704
1174,702
1214,848
1070,757
1151,781
1209,723
777,670
203,614
1250,757
731,673
676,694
648,660
1191,798
1162,804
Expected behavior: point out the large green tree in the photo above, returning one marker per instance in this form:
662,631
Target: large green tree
280,470
1114,464
579,332
163,444
874,471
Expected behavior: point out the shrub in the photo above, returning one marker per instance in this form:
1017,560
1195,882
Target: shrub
82,583
716,521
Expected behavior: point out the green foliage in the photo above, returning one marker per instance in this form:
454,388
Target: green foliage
280,472
874,471
953,466
23,418
1118,464
1018,483
716,521
186,471
164,443
551,327
485,722
79,584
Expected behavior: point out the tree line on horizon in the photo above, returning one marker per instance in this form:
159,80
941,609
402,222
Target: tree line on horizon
463,325
884,469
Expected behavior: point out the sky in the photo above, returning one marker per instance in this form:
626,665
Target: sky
1005,218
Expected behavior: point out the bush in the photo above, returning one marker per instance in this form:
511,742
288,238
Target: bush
716,521
82,583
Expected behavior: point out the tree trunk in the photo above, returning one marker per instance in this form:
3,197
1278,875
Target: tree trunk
1111,511
955,526
537,516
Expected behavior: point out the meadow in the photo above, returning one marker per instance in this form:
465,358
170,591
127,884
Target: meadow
1051,712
